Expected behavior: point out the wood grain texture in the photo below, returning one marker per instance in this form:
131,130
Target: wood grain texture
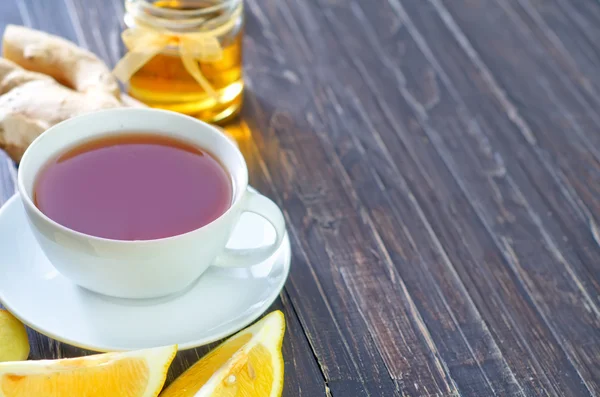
438,166
567,283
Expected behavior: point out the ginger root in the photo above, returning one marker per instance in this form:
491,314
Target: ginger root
44,80
70,65
32,102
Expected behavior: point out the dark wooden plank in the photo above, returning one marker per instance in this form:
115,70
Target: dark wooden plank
304,168
430,94
303,377
461,337
572,313
550,106
564,32
569,31
468,369
576,320
347,34
336,332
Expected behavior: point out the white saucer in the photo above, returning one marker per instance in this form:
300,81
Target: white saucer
220,303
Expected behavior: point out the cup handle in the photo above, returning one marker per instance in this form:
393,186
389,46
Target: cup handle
258,204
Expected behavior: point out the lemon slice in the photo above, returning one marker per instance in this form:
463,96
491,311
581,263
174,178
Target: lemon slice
248,364
138,373
14,345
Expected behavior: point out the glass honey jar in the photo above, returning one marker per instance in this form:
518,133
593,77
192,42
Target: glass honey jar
185,56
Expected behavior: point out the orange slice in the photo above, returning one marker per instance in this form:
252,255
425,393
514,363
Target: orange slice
138,373
249,364
14,345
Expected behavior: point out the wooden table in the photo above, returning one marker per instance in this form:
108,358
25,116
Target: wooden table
439,167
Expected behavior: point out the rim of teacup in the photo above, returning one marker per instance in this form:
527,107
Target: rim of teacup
62,126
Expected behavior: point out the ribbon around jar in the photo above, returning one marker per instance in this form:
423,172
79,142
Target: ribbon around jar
145,43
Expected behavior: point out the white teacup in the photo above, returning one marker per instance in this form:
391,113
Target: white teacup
152,268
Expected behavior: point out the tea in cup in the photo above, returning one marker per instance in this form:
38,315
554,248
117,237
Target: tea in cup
138,203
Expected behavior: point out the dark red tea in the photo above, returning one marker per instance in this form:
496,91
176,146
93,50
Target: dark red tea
134,187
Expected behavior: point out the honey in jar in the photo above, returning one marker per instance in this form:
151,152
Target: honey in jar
212,32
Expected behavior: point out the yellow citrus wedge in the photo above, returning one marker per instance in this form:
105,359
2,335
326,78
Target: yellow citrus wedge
248,364
14,345
138,373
